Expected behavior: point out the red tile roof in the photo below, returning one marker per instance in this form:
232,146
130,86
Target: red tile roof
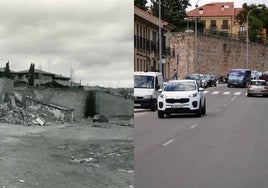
214,9
151,18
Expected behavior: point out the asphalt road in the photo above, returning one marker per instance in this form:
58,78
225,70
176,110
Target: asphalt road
227,148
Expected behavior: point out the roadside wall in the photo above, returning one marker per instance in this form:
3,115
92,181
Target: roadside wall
216,54
77,99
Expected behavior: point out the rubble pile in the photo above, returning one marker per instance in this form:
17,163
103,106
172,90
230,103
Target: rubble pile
16,115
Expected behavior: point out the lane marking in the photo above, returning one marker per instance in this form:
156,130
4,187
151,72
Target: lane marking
237,93
226,93
234,97
168,142
193,126
215,92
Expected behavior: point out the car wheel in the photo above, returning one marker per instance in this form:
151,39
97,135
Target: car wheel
198,112
161,114
249,95
204,110
153,107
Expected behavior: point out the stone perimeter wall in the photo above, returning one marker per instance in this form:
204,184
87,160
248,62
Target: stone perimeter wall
107,104
216,55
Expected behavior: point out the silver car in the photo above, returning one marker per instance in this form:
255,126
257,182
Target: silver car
257,87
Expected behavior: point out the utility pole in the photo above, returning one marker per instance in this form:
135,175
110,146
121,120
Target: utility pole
195,39
160,37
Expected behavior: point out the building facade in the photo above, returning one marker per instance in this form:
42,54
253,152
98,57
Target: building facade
219,17
146,43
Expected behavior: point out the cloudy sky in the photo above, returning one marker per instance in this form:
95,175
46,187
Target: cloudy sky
237,3
93,39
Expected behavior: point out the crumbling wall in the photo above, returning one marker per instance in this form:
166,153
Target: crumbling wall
6,88
84,103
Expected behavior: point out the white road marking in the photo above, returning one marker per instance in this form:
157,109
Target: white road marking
237,93
226,93
234,97
215,92
168,142
193,126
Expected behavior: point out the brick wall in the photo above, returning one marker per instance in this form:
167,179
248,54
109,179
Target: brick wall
216,55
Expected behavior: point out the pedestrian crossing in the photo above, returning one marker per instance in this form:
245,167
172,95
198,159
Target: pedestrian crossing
225,92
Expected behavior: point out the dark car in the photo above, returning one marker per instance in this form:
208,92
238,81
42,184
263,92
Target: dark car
196,77
212,80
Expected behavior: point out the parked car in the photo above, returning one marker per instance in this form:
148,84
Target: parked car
257,87
182,96
212,80
194,77
204,81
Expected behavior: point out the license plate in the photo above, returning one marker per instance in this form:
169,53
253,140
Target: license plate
177,106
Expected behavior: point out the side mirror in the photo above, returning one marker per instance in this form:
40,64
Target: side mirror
157,87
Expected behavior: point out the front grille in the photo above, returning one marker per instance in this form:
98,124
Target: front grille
182,100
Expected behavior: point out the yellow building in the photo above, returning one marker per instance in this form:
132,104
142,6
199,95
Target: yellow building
219,17
146,42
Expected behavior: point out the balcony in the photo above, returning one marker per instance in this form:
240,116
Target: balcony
143,44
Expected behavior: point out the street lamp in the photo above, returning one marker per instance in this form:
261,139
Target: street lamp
187,31
195,37
248,29
160,37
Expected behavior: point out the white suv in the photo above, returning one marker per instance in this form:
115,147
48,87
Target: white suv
182,96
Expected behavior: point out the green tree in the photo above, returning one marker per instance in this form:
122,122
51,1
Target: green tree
7,71
258,19
141,4
172,11
31,75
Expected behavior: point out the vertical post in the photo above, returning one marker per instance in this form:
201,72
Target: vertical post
195,39
160,37
247,37
247,32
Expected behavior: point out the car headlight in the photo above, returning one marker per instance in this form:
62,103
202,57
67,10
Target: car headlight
148,97
193,95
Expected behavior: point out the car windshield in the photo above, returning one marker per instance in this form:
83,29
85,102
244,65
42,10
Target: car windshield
258,83
142,81
193,77
180,87
235,77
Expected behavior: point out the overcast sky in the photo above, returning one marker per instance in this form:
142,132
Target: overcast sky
94,38
237,3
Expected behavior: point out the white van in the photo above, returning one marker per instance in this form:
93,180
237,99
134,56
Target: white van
146,89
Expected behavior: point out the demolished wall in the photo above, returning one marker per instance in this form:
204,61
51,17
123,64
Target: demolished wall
105,103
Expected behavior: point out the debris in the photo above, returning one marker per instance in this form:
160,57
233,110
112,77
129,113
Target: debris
41,121
99,118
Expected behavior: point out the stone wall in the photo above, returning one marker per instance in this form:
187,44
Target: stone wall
6,85
106,103
216,55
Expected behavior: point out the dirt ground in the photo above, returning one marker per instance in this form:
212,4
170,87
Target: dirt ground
82,155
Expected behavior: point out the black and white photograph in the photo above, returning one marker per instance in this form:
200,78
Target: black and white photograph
66,94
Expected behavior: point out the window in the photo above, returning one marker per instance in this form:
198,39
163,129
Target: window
213,24
225,24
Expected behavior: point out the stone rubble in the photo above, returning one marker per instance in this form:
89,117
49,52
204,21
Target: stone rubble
22,116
